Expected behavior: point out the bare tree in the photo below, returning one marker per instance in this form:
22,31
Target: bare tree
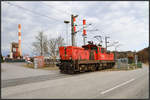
40,45
53,46
60,42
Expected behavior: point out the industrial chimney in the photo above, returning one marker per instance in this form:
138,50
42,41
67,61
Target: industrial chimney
19,42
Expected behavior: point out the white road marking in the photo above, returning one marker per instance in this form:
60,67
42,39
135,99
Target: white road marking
117,86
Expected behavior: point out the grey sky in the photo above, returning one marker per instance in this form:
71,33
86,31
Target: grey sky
126,22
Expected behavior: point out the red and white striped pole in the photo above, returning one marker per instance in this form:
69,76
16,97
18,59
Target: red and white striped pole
84,24
84,30
74,26
19,42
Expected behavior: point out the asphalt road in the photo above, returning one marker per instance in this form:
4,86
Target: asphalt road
133,84
18,71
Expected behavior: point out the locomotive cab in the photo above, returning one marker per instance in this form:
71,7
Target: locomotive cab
93,50
90,47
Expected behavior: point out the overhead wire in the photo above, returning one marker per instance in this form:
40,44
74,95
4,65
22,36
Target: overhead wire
36,12
32,12
60,10
39,14
79,19
65,13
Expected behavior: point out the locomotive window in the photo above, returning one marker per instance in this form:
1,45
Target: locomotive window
96,50
102,50
86,48
108,52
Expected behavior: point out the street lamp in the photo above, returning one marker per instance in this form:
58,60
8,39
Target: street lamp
66,22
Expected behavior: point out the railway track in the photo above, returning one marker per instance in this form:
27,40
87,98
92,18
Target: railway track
26,80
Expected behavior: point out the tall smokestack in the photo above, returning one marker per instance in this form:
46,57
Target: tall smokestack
19,42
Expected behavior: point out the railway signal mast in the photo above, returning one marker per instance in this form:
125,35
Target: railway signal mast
84,31
73,28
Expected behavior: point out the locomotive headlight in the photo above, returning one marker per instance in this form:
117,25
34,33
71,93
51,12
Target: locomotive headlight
80,68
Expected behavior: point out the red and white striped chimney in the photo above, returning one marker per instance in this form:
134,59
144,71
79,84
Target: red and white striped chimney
19,42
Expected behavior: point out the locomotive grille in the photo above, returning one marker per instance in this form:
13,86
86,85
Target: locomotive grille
65,51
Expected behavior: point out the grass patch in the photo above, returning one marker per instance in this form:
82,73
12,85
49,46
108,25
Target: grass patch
46,67
111,69
29,66
50,68
147,63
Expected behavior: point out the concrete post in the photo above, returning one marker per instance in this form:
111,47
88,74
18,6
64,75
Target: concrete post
35,63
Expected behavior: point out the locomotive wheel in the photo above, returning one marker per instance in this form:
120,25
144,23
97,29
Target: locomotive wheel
93,68
103,67
82,68
97,67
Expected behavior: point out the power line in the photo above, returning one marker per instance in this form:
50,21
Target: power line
80,19
57,9
34,12
81,29
10,4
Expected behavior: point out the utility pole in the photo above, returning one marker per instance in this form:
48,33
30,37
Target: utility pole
106,41
73,29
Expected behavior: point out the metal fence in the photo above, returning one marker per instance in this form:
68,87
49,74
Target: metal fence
122,63
125,63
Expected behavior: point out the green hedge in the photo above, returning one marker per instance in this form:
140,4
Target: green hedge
139,64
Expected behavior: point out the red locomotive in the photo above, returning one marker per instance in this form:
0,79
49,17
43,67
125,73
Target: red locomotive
89,57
